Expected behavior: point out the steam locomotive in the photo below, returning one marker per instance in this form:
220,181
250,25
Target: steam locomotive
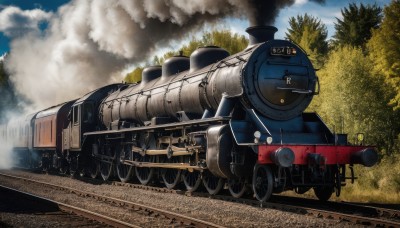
233,121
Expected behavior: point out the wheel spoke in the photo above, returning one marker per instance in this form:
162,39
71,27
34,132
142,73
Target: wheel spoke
144,174
262,182
237,187
192,180
212,183
106,169
124,171
171,177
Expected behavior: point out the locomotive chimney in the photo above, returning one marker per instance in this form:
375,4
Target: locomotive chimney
260,33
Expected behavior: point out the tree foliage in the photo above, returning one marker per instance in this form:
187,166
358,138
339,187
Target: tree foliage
232,42
355,27
310,33
135,75
351,96
384,50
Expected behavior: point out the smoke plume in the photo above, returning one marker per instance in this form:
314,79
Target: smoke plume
6,155
7,159
87,43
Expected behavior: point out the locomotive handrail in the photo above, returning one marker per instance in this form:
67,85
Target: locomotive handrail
207,121
318,87
296,90
303,91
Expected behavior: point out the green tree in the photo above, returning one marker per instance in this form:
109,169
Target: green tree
355,27
310,33
384,50
135,75
233,43
351,95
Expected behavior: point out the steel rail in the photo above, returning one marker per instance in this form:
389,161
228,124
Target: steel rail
170,215
380,212
73,210
319,213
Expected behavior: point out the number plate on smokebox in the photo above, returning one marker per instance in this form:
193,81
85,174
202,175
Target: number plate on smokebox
285,51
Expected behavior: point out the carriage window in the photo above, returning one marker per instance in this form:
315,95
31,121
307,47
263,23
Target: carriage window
76,115
51,131
87,114
40,130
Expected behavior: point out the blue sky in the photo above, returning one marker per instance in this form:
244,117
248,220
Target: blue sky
46,5
326,12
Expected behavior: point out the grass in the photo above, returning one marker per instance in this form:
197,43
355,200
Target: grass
379,184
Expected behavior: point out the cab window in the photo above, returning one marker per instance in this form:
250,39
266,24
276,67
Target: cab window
87,114
75,115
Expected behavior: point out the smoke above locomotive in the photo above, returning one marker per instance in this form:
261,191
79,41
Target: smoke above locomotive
79,52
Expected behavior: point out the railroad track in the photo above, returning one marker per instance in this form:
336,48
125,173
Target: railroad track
344,211
385,217
363,210
348,212
175,218
52,209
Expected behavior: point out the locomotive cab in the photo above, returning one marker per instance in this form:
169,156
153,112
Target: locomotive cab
82,118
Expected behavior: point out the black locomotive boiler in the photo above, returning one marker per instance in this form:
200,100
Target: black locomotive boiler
218,120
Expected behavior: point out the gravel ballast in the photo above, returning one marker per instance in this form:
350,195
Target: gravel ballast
220,212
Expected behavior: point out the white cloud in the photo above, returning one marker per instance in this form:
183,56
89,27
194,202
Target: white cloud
3,57
15,22
300,2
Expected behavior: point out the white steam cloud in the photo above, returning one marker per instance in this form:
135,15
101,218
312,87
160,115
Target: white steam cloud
6,146
88,43
15,22
6,155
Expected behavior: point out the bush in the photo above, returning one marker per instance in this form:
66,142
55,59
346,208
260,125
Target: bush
379,184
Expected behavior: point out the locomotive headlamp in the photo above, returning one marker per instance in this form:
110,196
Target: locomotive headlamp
257,137
261,138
